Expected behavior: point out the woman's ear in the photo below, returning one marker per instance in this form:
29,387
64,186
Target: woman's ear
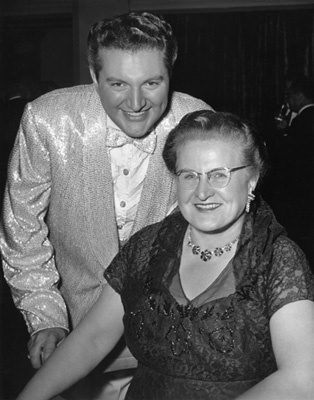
251,196
93,76
253,183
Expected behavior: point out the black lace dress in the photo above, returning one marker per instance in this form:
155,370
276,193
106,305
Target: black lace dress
215,346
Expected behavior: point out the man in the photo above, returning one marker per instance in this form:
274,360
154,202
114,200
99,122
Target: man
86,172
285,115
294,173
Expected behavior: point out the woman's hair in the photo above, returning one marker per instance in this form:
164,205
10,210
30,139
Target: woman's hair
206,125
133,31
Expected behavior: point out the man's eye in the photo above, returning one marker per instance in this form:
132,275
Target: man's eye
152,83
117,84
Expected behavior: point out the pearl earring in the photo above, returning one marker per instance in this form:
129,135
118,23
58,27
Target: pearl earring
250,198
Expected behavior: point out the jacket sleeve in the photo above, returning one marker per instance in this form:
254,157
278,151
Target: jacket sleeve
27,254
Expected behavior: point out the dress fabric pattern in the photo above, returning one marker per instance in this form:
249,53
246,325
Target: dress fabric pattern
216,349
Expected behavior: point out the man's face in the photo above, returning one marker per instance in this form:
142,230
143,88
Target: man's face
294,100
133,88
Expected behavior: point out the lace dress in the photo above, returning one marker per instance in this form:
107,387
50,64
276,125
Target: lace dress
217,345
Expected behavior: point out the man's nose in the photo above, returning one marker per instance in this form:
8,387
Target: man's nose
136,100
203,189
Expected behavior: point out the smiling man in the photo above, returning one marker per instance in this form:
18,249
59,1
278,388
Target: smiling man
133,88
86,172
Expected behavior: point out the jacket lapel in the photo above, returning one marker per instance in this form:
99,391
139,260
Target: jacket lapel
159,186
98,186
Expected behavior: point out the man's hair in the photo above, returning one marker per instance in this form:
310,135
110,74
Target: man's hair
133,31
302,84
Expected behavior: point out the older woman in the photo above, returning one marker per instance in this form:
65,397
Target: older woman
216,301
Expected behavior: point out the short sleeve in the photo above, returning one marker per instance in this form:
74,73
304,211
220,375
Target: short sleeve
116,273
290,278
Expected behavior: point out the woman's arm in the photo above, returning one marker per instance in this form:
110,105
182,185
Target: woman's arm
81,351
292,334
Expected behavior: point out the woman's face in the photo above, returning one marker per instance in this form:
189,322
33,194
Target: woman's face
206,208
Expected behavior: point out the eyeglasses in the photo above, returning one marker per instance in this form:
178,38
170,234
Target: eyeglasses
217,178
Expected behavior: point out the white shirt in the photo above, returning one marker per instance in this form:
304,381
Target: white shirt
128,167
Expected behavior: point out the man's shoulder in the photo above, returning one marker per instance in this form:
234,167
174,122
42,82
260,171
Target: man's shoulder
67,95
68,91
304,122
180,97
306,114
183,103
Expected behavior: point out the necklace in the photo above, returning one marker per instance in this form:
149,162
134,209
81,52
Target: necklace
206,255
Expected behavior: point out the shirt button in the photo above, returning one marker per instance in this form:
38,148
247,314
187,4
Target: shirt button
120,226
126,171
122,204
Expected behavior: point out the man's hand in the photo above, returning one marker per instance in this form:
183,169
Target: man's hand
43,343
281,124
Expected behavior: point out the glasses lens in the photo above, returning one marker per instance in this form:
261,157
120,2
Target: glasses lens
219,178
188,179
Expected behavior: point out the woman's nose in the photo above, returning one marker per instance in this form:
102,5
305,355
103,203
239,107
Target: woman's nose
203,189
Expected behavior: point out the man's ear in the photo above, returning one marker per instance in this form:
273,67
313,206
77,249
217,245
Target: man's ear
93,76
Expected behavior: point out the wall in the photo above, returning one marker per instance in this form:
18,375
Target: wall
83,13
33,7
215,4
36,48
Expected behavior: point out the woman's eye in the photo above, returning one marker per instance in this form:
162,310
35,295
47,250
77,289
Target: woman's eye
219,175
189,176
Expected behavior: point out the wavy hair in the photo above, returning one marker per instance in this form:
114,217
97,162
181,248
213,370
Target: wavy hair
207,125
131,32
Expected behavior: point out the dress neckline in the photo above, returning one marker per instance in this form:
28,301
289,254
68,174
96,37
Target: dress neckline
223,286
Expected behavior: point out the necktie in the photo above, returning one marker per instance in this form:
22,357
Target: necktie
116,138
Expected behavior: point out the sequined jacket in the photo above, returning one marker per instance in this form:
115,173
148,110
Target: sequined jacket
58,231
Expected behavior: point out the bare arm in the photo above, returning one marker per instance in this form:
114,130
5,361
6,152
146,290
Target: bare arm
292,333
81,351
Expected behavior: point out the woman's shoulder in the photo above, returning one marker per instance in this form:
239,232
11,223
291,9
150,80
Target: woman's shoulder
289,260
286,250
290,277
149,233
168,222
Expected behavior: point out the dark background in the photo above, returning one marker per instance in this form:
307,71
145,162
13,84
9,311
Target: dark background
234,60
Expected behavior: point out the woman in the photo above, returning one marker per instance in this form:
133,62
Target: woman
216,301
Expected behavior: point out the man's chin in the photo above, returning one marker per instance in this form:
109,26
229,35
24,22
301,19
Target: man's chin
137,132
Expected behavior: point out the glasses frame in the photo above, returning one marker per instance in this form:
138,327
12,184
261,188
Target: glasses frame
227,169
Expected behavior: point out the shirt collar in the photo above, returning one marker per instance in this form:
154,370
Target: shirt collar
117,138
303,108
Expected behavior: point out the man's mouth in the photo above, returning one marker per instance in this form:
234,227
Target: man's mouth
135,115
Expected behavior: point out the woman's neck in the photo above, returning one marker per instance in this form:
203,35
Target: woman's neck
217,238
